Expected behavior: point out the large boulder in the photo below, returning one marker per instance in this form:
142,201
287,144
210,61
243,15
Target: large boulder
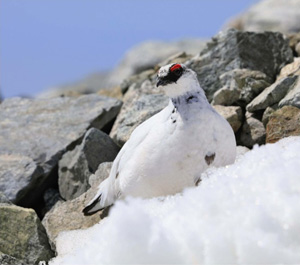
23,239
283,123
77,165
65,216
34,135
266,52
270,15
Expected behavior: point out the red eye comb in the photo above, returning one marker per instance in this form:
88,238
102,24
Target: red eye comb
174,67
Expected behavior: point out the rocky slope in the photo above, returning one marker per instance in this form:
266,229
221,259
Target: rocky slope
52,150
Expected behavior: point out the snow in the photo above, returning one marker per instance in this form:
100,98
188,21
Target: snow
248,212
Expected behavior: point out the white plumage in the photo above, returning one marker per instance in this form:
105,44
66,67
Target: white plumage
169,151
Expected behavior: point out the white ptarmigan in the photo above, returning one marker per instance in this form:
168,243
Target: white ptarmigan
169,151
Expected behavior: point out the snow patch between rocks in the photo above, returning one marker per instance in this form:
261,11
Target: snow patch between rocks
248,212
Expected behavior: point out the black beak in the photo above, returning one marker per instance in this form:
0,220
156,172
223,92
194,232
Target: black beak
162,82
159,82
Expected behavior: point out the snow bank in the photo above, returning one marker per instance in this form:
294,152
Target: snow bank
245,213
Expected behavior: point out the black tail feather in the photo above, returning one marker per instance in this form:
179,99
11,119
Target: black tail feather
87,210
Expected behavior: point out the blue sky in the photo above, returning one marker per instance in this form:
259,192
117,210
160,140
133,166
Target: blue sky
51,42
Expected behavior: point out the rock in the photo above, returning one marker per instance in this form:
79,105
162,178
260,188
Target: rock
232,114
35,133
267,113
65,216
270,15
140,103
18,174
266,52
51,197
77,165
293,96
101,174
253,132
23,239
226,96
272,95
138,79
283,123
294,39
240,86
9,260
3,199
290,69
297,49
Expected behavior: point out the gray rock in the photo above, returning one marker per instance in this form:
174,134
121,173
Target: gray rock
51,196
3,199
23,239
227,95
233,114
35,133
266,52
77,165
138,79
101,174
290,69
18,174
293,96
65,216
294,39
267,113
9,260
253,132
272,95
240,86
270,15
297,48
140,103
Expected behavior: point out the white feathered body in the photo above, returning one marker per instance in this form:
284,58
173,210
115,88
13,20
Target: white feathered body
162,156
169,151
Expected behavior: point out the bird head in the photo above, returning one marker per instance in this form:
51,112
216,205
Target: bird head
177,79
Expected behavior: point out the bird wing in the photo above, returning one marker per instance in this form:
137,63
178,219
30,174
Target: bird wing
108,190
